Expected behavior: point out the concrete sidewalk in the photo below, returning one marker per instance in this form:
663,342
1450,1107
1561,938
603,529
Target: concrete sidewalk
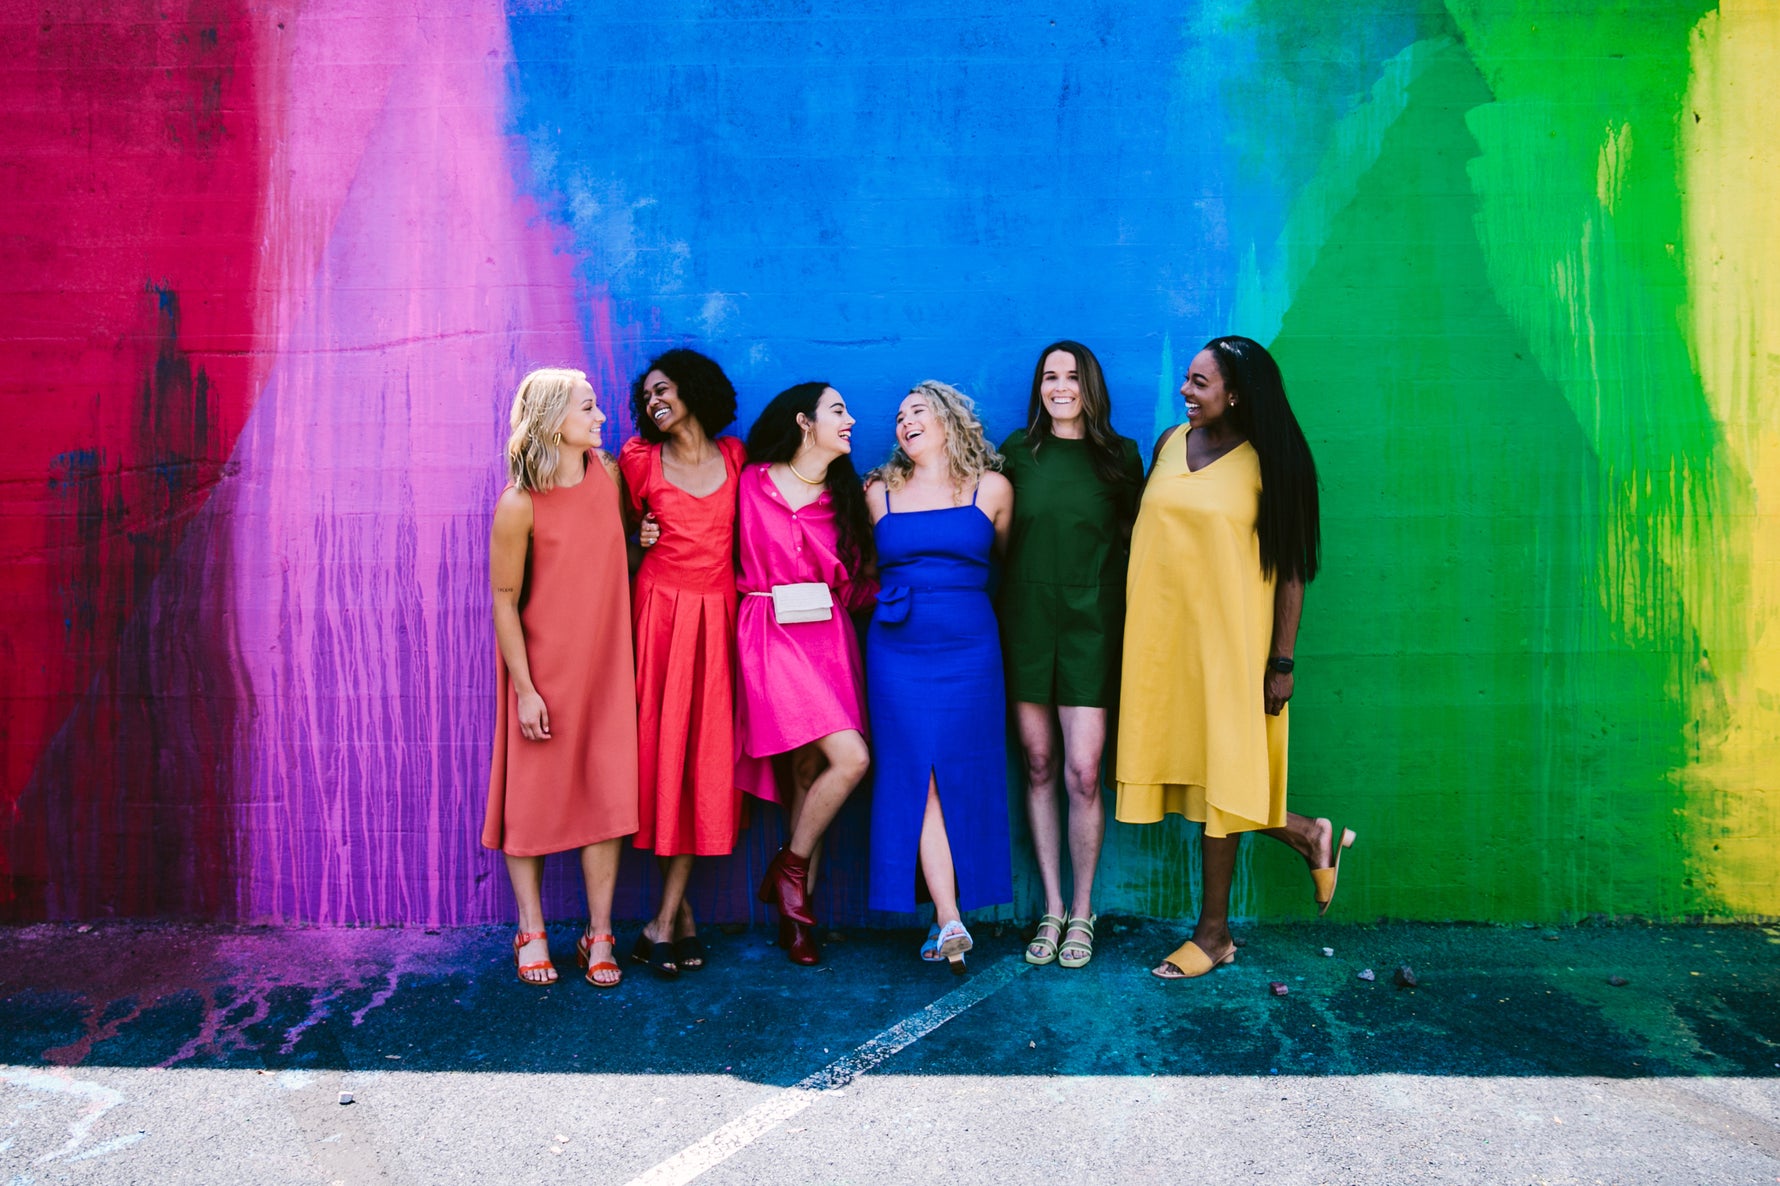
171,1054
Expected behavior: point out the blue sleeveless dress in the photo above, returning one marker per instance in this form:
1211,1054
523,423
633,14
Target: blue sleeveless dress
935,692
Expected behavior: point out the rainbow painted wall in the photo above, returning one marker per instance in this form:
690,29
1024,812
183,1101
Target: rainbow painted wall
271,271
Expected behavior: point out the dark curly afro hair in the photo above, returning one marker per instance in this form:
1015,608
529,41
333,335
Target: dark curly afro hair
704,389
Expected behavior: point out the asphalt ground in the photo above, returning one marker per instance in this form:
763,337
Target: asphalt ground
1589,1054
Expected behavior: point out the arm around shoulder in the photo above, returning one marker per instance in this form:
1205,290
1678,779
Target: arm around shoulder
876,499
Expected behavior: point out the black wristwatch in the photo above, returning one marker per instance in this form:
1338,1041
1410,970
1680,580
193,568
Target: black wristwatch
1281,664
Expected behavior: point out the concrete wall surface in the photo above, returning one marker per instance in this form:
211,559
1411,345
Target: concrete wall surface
271,271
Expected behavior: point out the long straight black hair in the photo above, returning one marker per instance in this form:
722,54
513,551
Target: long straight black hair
1106,448
1288,524
776,436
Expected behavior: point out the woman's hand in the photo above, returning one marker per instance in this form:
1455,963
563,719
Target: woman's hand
1278,688
649,531
534,718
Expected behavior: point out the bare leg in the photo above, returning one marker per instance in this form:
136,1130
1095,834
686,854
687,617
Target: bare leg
1038,738
1312,839
807,764
936,860
1212,934
599,870
676,871
848,759
527,875
1084,737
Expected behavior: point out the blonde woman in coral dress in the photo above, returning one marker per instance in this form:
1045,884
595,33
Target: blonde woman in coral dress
1226,538
564,772
681,478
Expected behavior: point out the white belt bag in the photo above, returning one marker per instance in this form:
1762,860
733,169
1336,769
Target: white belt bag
809,601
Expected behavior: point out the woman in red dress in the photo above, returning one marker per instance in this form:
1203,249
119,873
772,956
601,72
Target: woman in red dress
682,481
565,747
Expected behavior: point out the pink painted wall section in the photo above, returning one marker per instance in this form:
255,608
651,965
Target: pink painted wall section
359,516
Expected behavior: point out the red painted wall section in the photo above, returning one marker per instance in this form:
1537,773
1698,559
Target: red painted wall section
131,180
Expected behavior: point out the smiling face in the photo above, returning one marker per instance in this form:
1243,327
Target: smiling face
918,428
832,429
1060,387
662,402
580,427
1207,399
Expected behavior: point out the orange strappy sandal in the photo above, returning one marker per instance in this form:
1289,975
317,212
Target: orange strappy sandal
520,940
584,956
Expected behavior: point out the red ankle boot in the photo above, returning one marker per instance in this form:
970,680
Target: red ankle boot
803,947
783,886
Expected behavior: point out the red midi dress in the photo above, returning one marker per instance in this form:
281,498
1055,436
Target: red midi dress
684,612
579,786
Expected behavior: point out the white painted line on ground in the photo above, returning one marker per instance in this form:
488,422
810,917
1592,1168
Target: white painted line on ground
724,1143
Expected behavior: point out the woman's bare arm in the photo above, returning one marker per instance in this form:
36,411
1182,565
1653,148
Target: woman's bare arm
507,548
1288,607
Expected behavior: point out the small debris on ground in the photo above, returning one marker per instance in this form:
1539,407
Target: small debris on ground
998,931
1366,974
82,929
346,1097
1279,989
1239,941
1328,953
1618,981
1406,977
1552,936
835,937
733,928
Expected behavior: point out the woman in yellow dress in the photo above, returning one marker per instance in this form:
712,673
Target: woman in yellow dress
1226,539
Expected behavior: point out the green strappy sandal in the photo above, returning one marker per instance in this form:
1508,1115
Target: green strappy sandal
1047,947
1086,946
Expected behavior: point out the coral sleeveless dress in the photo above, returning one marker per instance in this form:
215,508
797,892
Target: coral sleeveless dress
684,611
1194,735
580,786
935,690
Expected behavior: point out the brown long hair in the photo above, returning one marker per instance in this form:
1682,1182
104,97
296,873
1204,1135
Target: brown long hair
1106,448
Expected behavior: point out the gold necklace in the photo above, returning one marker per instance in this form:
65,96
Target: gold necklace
806,481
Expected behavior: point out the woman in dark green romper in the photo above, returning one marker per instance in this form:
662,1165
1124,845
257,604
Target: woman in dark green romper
1076,484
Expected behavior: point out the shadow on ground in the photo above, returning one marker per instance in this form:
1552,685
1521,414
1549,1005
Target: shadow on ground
1696,1001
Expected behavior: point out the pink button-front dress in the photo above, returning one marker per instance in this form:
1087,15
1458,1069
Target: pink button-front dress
798,681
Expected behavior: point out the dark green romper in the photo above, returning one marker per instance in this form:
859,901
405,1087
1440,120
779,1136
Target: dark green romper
1063,591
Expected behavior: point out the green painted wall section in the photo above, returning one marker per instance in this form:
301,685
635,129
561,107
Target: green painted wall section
1539,551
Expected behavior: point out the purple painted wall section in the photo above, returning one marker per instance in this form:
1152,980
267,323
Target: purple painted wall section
359,519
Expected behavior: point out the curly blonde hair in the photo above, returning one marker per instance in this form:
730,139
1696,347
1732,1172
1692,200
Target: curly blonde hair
534,447
968,452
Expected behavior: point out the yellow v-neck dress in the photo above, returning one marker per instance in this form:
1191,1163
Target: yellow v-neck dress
1194,734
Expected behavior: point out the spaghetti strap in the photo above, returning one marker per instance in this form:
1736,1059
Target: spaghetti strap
974,493
886,498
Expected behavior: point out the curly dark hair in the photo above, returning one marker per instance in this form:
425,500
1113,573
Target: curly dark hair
704,389
776,436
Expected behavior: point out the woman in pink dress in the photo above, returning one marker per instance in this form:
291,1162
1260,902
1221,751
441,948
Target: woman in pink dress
805,558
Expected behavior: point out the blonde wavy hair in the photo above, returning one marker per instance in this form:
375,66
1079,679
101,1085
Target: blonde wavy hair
968,452
535,446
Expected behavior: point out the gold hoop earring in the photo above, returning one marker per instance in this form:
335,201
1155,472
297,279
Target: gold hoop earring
556,440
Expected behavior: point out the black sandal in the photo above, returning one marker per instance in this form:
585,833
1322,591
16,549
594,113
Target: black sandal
659,956
689,953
